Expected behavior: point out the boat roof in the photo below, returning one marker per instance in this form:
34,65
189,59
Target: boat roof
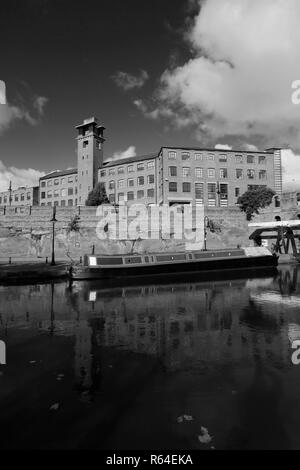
276,224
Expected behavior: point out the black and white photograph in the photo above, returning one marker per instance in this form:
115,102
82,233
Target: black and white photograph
149,228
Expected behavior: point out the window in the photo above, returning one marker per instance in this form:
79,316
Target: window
186,187
223,158
150,165
172,170
121,197
98,144
111,171
185,156
85,143
172,155
198,156
121,170
140,180
63,203
87,172
76,178
49,194
262,174
130,196
56,193
239,173
211,157
16,198
43,184
237,192
43,195
49,183
199,172
22,197
262,159
63,180
186,172
70,191
223,173
150,179
211,187
130,182
121,184
130,169
63,192
5,199
173,187
76,191
150,193
102,173
70,202
211,173
140,167
111,198
250,174
239,159
250,159
140,194
199,189
111,185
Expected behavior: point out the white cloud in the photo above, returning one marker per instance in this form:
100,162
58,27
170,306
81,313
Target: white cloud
290,170
245,54
128,153
9,113
127,81
18,177
223,147
2,92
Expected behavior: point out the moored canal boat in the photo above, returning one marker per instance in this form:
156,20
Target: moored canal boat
157,264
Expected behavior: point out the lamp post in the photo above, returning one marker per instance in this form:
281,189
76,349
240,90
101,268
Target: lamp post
206,219
10,190
53,220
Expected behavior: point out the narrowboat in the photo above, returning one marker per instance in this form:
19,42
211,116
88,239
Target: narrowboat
161,264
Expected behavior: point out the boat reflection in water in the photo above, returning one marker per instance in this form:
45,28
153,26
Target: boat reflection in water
128,362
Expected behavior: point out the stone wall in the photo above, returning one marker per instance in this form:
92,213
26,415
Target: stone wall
27,233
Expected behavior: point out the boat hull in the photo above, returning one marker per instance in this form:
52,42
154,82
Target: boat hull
201,266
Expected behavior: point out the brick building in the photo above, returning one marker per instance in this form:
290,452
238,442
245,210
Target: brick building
22,196
191,175
59,188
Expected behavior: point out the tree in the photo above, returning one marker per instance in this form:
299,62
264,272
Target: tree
97,196
254,199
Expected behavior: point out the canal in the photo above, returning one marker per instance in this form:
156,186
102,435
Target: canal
183,365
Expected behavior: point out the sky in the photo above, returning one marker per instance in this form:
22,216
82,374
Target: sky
166,72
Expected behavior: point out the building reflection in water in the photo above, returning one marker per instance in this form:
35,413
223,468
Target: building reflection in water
183,326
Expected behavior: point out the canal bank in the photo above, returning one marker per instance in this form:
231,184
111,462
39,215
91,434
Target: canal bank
25,272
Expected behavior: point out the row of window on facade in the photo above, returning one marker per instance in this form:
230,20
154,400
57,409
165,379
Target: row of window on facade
130,182
223,158
213,189
59,193
15,198
130,196
57,181
130,169
211,173
62,203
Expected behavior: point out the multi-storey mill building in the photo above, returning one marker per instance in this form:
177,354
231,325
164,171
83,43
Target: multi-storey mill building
191,175
212,177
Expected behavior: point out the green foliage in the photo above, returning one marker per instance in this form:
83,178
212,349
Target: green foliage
73,225
97,196
254,199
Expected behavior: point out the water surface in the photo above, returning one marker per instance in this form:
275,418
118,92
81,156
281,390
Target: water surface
146,367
